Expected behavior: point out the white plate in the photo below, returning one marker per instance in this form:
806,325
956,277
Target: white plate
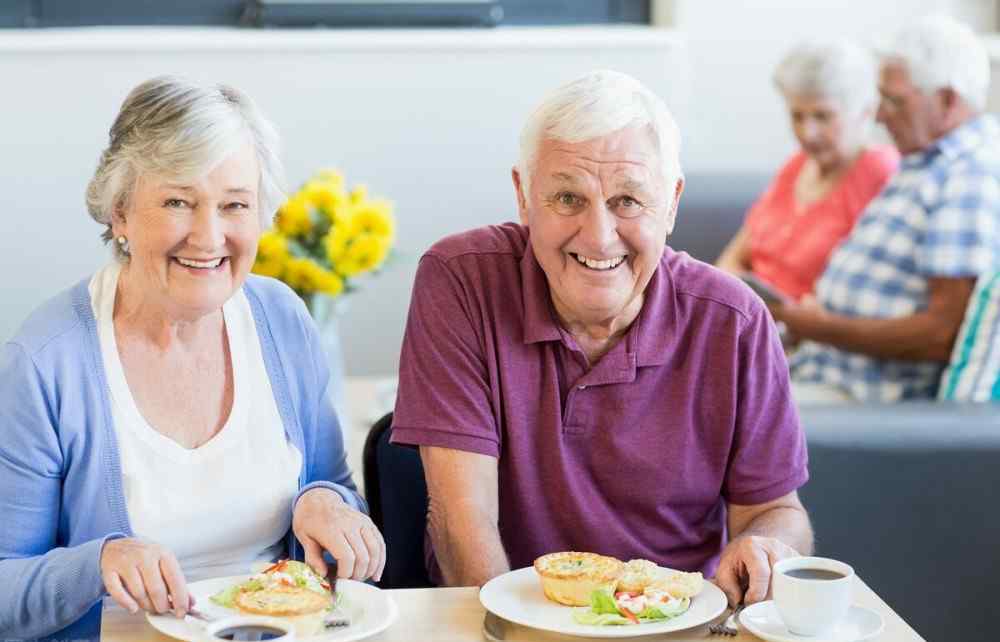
762,620
517,597
371,611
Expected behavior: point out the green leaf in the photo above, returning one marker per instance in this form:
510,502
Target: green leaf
652,613
603,602
665,611
588,617
226,597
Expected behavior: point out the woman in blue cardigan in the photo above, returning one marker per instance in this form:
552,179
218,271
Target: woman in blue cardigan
167,420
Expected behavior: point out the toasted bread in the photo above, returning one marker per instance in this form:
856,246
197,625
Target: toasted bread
638,575
570,577
679,584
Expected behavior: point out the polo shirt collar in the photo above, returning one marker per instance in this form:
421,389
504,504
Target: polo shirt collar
652,334
539,321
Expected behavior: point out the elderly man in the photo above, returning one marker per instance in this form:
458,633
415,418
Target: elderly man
890,303
573,384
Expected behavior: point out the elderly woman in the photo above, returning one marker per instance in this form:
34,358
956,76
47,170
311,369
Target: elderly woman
814,201
166,419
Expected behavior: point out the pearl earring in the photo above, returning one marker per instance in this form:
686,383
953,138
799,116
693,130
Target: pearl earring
122,244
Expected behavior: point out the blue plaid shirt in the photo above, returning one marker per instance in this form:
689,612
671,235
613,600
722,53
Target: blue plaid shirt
938,217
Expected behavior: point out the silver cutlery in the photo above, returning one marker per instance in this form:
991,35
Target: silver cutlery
335,618
727,626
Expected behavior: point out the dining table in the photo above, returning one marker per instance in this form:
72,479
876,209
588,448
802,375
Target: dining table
456,615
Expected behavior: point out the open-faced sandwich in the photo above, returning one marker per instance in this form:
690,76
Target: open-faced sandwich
287,589
641,592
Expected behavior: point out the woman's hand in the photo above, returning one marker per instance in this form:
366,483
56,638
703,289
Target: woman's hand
322,521
141,574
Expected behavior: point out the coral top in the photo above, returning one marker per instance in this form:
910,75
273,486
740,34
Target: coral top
789,245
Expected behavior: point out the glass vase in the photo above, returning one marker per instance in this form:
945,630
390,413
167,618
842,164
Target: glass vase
328,312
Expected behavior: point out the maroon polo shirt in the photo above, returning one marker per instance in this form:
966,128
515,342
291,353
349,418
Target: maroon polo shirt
635,456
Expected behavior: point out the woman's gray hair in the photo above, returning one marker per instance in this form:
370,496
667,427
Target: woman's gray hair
595,105
839,70
940,52
176,128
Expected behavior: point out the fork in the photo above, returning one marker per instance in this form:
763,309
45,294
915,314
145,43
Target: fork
335,618
727,627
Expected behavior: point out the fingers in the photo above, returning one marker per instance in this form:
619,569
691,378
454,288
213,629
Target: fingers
729,582
114,587
759,571
376,551
314,555
334,541
171,572
134,585
155,588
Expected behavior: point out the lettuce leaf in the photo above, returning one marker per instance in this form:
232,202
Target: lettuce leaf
665,611
227,597
602,602
588,617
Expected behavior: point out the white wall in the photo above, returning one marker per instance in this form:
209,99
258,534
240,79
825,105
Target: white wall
739,121
428,119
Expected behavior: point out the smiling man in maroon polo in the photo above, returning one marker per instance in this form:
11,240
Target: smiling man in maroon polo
574,384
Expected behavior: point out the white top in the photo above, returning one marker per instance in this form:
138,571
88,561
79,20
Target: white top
226,504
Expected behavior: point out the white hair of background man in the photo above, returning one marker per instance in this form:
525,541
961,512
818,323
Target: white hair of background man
597,104
180,130
839,70
940,52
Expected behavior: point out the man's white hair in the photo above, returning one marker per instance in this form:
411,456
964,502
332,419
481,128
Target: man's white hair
838,70
940,52
178,129
595,105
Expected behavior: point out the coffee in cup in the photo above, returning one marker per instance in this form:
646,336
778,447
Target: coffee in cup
812,594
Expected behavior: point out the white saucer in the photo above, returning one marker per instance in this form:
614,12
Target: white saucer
762,620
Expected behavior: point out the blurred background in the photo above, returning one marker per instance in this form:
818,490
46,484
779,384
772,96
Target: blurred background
420,101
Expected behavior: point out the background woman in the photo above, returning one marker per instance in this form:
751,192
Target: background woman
820,192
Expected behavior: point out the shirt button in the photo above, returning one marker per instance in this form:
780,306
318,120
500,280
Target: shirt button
581,387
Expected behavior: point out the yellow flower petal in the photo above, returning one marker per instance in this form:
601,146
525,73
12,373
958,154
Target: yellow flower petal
293,217
272,255
366,253
374,217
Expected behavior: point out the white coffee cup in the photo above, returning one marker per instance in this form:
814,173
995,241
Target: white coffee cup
812,594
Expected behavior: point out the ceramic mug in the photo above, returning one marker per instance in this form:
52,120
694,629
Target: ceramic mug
812,594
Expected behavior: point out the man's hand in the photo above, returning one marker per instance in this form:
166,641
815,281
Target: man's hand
798,315
745,568
322,521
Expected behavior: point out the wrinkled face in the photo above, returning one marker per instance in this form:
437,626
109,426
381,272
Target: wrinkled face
192,244
818,124
599,213
914,119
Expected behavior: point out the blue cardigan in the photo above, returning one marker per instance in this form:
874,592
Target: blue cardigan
61,492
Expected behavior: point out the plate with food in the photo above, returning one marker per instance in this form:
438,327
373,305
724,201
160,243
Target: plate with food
289,593
590,595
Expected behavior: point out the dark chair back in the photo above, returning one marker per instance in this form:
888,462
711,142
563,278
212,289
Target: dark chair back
397,499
